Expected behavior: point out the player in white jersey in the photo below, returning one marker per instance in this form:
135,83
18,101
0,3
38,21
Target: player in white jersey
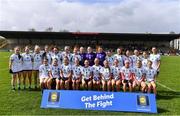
86,76
15,67
66,74
151,77
120,57
127,76
106,76
76,75
67,53
135,58
46,54
110,57
55,74
155,58
44,74
139,76
37,61
116,76
57,55
96,74
75,55
145,59
27,66
128,57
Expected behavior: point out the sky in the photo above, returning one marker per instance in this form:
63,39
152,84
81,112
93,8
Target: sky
115,16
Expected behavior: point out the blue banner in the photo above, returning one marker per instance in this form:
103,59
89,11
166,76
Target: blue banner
95,100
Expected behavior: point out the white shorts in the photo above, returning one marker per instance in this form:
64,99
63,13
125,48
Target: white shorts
36,66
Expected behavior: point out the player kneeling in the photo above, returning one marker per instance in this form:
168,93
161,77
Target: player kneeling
139,75
116,77
76,76
66,74
106,76
151,77
96,74
86,76
55,74
44,74
127,76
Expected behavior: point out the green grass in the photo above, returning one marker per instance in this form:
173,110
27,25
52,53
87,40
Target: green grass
28,102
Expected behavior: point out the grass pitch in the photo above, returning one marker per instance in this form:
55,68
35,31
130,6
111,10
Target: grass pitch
25,102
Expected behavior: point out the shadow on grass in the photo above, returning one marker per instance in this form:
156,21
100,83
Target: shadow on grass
168,95
160,110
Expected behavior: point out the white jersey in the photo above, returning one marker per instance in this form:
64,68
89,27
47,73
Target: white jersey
144,62
135,59
150,74
106,73
115,70
64,54
16,63
76,71
139,72
120,58
130,59
110,60
96,71
48,56
27,61
44,71
155,58
74,56
55,71
58,57
127,72
37,60
66,69
86,72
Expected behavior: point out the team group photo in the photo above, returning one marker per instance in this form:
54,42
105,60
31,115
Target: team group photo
84,68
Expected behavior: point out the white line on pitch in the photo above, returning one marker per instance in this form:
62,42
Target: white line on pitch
162,85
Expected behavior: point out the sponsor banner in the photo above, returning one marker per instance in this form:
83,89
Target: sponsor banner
96,100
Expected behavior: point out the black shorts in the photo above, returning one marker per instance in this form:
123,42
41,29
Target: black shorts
11,72
87,80
64,78
27,70
127,81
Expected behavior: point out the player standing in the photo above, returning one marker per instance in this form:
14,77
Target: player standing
90,56
101,55
27,66
15,67
120,57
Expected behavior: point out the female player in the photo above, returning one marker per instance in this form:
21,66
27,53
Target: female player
47,54
90,56
151,77
110,57
57,55
83,56
120,57
66,74
156,59
86,76
96,74
101,55
76,76
128,57
75,55
145,59
106,76
135,58
44,74
66,53
55,74
15,67
116,75
139,76
127,76
37,61
27,66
